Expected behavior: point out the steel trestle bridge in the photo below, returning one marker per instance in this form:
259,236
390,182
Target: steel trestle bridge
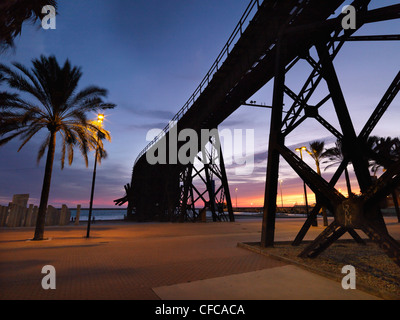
270,39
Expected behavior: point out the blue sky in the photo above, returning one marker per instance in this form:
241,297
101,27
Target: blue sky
151,55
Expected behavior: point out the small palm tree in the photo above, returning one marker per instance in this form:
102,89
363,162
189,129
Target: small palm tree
58,108
316,152
335,157
384,153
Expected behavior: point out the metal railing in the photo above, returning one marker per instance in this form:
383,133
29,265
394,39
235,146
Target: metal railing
253,6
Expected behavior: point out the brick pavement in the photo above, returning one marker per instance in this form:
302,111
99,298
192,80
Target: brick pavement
122,261
126,261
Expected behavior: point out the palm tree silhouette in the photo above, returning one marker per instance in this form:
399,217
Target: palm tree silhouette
384,152
58,108
335,157
317,153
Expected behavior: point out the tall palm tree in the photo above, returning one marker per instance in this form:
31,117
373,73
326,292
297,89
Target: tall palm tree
316,152
57,108
335,157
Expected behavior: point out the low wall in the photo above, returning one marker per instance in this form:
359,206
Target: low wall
15,215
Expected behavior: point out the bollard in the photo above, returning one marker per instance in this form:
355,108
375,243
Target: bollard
78,213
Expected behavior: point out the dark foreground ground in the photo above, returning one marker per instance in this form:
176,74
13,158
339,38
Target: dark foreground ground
153,261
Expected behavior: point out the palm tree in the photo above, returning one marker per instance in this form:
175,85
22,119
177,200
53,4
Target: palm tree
335,157
316,152
58,108
384,152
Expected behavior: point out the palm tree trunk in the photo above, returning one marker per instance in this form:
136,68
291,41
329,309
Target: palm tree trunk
41,218
323,209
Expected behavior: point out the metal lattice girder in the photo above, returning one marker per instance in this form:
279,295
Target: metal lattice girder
342,167
300,236
186,195
389,245
212,166
331,198
333,27
388,37
351,146
382,107
382,186
316,183
279,129
389,180
332,233
244,66
280,34
363,136
356,212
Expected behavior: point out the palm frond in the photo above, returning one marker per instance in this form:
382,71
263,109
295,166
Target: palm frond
9,138
85,94
43,148
18,82
27,136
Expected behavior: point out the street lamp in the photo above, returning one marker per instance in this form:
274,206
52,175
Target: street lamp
100,120
280,184
304,183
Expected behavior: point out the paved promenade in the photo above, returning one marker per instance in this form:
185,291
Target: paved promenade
155,261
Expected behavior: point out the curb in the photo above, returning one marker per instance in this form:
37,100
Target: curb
360,286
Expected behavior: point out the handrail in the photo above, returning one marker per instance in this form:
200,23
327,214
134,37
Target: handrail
206,80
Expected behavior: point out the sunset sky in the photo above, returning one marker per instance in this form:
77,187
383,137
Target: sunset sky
151,55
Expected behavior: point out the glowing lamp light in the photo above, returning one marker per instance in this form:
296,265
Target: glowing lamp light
100,118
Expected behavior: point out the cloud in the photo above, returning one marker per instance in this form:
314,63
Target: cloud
147,126
19,174
142,111
154,114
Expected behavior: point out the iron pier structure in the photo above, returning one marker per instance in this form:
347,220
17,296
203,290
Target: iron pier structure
270,39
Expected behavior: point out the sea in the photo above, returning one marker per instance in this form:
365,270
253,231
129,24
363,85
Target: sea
100,214
119,214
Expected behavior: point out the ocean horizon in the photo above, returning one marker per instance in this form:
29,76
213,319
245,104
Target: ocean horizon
110,214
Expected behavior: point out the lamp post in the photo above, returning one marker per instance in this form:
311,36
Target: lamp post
100,119
280,184
304,183
236,190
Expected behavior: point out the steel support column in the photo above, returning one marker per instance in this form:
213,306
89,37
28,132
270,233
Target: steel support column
351,145
212,167
276,138
224,180
211,192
